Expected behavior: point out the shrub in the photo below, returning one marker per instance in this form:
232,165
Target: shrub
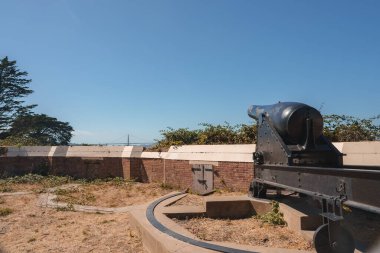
274,217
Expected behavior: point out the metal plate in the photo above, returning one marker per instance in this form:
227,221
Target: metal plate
203,178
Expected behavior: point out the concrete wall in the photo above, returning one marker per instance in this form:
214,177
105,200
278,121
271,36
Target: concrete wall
232,164
76,161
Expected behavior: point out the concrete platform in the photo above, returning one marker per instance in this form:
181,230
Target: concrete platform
156,241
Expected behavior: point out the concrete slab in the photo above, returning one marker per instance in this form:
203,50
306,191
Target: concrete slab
156,241
212,153
184,212
31,151
232,207
300,215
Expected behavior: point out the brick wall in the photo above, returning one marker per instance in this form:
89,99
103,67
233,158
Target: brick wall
12,166
233,175
178,173
76,167
230,175
232,164
152,170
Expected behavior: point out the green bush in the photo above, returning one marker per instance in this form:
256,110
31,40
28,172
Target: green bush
337,128
274,217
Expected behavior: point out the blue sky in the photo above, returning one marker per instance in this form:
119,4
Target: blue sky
113,68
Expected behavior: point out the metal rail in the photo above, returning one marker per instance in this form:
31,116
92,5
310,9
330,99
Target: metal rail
350,185
152,219
366,172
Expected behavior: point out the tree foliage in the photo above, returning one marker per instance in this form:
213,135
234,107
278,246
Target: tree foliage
343,128
13,88
337,128
18,125
38,129
207,134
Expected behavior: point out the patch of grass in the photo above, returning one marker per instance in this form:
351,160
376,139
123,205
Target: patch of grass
107,221
5,188
65,192
117,181
4,211
274,217
68,208
53,181
25,179
166,186
80,197
46,181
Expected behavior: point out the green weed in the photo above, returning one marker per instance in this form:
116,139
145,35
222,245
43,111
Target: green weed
274,217
4,211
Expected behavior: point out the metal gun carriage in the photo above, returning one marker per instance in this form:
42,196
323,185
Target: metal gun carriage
292,154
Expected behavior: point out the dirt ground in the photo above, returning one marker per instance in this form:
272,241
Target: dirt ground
27,227
364,226
30,228
21,187
111,195
248,231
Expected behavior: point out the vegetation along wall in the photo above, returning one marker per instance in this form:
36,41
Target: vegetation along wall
231,164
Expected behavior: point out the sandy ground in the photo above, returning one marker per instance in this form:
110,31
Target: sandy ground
36,229
364,226
21,187
31,228
110,195
248,231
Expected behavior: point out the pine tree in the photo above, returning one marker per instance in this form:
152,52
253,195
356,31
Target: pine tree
13,88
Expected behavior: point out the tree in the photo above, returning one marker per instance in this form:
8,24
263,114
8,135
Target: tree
18,124
176,137
247,134
217,134
37,129
13,87
340,128
337,128
208,134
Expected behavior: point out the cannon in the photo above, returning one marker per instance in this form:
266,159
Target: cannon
293,154
290,120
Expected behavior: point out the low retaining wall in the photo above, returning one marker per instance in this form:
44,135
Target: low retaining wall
232,164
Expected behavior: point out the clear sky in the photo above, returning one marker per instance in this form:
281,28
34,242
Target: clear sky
113,68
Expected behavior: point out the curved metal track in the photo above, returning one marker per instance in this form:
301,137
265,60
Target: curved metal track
152,219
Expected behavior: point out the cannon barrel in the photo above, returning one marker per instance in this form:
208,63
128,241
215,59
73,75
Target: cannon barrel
290,120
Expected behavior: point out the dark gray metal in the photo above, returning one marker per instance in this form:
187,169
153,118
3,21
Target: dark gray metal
280,144
203,178
289,120
152,220
292,153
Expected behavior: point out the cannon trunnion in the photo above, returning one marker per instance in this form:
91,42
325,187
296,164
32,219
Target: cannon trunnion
292,154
